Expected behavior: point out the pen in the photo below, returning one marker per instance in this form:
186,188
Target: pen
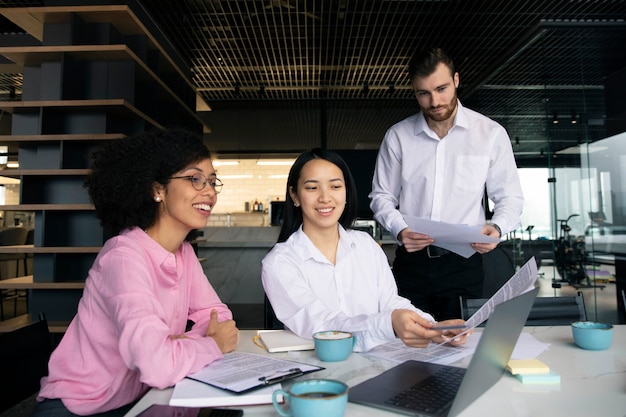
292,373
451,327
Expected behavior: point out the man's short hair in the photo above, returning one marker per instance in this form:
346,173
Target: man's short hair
425,62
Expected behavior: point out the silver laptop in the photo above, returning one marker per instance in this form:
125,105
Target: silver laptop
418,388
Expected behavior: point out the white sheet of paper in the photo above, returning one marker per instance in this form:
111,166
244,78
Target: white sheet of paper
453,237
520,283
445,355
190,393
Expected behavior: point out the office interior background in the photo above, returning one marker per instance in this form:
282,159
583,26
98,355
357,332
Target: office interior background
275,77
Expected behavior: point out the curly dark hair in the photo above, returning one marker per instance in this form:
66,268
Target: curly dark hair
292,215
124,171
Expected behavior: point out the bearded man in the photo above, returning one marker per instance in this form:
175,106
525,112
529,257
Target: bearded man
437,165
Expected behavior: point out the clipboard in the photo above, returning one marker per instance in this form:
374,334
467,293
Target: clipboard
241,372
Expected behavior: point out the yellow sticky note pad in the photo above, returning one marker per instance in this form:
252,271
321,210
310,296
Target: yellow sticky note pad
527,367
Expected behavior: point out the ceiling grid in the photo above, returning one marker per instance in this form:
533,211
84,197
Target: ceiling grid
520,62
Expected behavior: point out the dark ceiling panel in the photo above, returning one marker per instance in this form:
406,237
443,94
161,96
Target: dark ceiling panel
333,72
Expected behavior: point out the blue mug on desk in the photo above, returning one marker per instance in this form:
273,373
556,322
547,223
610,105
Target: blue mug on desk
313,398
333,345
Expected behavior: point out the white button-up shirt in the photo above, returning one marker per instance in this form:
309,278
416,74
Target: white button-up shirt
357,294
444,179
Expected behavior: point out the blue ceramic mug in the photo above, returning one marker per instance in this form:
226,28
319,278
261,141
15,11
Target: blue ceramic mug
333,345
312,398
592,335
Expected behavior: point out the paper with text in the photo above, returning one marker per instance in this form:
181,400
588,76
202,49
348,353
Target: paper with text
520,283
242,371
442,354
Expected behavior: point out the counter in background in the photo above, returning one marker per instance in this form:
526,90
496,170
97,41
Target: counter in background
239,219
233,261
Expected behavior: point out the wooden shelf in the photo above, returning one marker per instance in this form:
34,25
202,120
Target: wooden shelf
36,55
26,319
118,76
47,207
26,282
122,17
16,173
49,249
113,104
60,137
33,19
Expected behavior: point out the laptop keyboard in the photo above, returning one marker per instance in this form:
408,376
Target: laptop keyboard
433,394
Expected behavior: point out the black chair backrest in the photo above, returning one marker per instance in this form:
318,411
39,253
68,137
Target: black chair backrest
13,236
546,311
498,267
556,311
30,236
25,353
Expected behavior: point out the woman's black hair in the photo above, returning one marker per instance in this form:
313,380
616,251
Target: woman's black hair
124,172
292,215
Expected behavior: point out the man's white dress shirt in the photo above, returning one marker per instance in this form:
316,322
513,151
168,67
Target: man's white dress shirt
444,179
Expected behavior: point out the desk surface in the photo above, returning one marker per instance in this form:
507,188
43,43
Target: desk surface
593,383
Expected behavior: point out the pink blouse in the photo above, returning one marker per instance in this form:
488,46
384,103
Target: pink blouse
118,345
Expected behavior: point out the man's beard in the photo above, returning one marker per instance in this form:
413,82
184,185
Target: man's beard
440,117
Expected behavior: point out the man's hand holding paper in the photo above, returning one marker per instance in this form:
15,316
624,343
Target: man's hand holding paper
457,238
487,230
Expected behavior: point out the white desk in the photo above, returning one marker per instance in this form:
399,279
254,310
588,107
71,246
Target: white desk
593,384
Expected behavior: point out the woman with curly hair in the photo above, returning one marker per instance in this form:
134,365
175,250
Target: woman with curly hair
130,332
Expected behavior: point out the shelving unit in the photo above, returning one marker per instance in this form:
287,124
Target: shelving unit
101,73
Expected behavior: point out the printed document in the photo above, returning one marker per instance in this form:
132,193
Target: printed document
241,371
442,354
520,283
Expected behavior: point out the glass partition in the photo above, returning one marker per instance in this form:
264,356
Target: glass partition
574,218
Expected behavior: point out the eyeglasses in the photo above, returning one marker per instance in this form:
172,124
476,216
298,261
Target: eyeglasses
199,182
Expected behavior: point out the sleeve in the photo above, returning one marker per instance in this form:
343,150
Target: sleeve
386,186
293,300
380,328
144,327
203,299
503,185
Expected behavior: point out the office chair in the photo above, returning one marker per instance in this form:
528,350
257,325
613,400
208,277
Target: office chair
12,236
30,240
498,267
25,353
546,311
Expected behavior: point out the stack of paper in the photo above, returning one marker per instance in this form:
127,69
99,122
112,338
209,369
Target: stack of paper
532,371
190,393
